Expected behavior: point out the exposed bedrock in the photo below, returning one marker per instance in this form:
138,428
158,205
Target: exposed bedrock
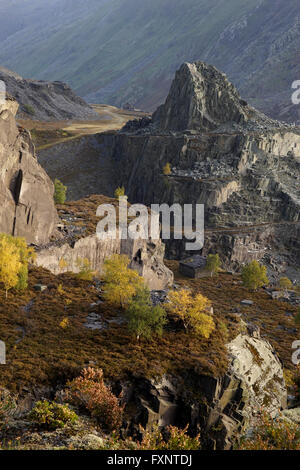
220,408
243,166
277,245
200,98
26,192
45,101
146,257
241,178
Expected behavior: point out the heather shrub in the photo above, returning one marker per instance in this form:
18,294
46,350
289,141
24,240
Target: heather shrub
176,439
90,392
52,415
271,434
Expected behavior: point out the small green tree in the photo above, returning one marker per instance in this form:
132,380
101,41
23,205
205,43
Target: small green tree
285,283
29,109
213,264
254,275
27,255
60,192
143,318
193,311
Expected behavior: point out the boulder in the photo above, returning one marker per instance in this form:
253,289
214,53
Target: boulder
247,303
85,442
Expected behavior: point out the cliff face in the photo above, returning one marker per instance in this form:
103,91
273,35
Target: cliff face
228,405
146,258
26,192
78,240
242,165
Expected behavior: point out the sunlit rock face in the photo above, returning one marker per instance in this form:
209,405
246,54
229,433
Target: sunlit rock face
26,192
146,257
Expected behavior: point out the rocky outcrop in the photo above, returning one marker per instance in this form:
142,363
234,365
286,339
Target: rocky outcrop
201,98
26,192
146,257
224,407
277,245
46,101
243,166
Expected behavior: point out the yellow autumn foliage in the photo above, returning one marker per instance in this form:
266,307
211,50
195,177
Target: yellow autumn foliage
64,323
192,310
10,264
167,170
121,282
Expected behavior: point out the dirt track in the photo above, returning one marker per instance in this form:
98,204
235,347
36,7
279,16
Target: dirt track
47,134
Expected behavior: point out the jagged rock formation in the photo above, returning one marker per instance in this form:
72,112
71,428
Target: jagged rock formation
26,192
78,240
226,406
146,258
46,101
243,166
201,98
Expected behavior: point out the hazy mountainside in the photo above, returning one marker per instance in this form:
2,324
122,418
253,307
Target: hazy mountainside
117,51
46,101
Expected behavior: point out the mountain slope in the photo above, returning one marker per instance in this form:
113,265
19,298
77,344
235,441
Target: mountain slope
46,101
117,51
